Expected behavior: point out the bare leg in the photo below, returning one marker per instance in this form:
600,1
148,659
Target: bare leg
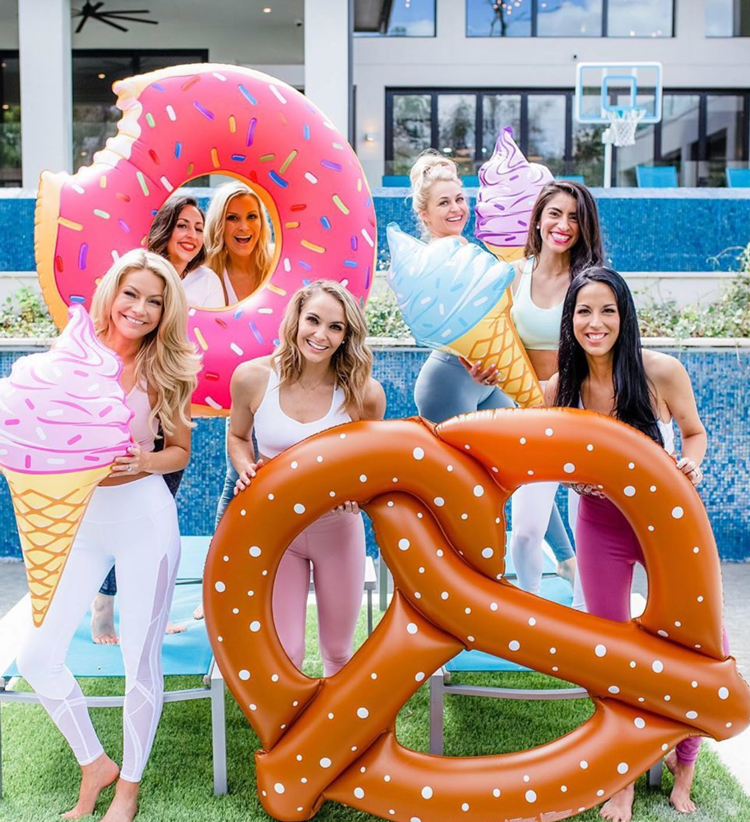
567,570
124,806
174,629
103,620
198,612
620,806
683,782
95,777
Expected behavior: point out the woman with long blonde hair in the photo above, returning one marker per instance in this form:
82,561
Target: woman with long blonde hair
238,240
140,312
318,377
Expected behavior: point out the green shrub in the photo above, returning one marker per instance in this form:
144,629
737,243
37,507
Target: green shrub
24,314
728,316
384,316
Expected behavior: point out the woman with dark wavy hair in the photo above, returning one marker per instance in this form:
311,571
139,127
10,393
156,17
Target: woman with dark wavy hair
177,234
604,368
563,239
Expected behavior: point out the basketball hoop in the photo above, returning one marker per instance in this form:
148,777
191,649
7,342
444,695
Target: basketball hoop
622,125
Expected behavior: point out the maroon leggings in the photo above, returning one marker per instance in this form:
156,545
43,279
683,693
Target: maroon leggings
607,550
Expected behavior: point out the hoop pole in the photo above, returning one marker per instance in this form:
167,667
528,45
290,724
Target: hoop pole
607,165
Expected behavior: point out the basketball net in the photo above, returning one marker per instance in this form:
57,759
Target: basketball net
622,126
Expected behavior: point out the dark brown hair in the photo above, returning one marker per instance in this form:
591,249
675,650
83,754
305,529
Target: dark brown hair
588,251
163,226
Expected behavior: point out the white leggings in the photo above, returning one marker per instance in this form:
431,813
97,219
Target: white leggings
135,527
531,507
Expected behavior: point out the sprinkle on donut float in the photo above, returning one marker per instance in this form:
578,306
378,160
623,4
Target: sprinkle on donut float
187,121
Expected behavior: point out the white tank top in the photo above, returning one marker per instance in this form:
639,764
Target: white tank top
275,431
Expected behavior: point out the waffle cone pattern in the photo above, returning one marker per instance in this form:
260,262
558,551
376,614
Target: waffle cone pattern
495,341
506,253
49,509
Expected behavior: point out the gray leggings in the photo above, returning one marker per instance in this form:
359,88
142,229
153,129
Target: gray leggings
444,389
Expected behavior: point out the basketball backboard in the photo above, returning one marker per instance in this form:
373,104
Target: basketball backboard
603,87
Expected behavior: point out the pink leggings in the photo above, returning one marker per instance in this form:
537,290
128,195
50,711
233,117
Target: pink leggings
607,550
335,547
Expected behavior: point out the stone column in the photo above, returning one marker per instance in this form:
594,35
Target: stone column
44,34
328,69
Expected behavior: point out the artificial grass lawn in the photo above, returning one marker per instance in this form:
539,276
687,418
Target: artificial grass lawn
41,776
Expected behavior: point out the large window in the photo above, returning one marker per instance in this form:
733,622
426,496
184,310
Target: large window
464,125
10,121
402,18
702,133
95,115
571,18
727,18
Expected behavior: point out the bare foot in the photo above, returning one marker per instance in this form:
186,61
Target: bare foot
620,806
103,620
198,612
124,806
174,629
567,569
94,779
683,782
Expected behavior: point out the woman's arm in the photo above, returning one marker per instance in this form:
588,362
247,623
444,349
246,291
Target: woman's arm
247,381
374,404
674,388
173,457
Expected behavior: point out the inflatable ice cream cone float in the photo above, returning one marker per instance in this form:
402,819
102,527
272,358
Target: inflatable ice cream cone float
509,186
454,297
63,420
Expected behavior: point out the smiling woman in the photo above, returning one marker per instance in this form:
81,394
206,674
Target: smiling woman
318,377
177,234
238,240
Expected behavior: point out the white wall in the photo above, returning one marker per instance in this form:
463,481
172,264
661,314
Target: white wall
451,59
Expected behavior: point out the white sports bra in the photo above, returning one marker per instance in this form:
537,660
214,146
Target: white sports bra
275,431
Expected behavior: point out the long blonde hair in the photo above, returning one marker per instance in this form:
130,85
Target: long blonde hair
166,361
217,255
351,362
429,167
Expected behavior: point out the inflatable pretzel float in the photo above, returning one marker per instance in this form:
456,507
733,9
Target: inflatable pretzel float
436,499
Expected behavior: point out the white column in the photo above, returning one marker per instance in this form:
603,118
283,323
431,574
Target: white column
327,59
46,87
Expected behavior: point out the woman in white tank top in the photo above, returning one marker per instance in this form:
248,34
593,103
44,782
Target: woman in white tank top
318,377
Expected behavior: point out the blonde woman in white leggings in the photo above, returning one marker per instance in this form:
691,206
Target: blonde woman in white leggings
131,521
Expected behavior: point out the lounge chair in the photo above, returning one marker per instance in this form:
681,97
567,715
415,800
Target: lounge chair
656,176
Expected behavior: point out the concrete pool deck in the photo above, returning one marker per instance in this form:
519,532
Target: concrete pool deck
734,753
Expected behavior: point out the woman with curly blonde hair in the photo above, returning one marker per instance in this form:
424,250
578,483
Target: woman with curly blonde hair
140,312
238,240
318,377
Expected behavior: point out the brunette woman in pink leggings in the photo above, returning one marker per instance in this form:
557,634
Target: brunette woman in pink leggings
603,368
318,377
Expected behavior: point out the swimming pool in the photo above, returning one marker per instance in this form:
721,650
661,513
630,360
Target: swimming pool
720,377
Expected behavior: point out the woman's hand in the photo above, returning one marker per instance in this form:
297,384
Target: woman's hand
348,507
136,463
691,470
247,475
585,490
483,376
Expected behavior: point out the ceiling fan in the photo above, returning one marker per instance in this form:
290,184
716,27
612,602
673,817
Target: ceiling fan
92,11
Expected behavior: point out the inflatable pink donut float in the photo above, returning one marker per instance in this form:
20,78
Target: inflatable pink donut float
184,122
